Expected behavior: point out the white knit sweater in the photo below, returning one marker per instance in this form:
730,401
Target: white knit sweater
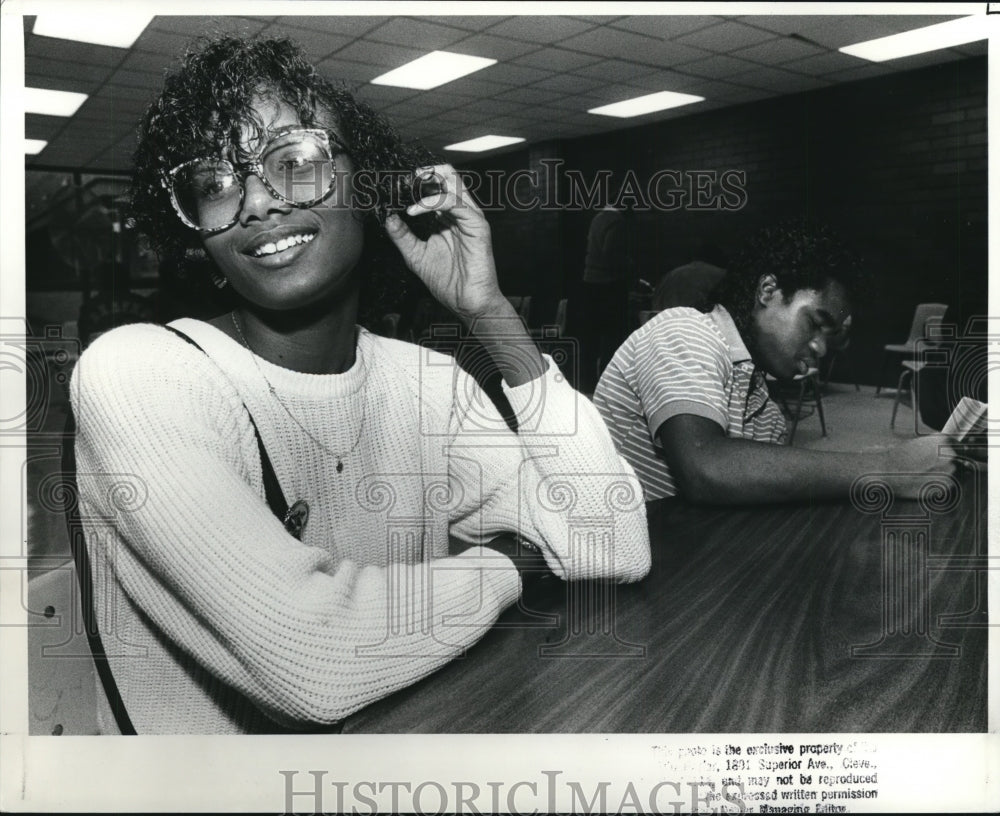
218,621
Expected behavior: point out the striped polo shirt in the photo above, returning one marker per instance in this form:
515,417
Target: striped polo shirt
683,362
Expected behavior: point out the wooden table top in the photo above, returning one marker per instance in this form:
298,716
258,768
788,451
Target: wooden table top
858,616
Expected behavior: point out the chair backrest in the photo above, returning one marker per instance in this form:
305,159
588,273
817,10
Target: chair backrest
932,329
687,285
561,310
390,325
923,313
522,304
646,314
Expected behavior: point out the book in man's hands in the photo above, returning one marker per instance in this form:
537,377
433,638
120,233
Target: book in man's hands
967,427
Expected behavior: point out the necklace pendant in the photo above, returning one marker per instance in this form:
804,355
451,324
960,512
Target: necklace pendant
340,465
296,518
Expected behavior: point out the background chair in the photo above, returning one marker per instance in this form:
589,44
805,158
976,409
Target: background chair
907,377
809,393
918,330
562,310
521,303
687,285
390,325
646,314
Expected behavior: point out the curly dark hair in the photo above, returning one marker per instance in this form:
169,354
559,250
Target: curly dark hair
206,103
801,255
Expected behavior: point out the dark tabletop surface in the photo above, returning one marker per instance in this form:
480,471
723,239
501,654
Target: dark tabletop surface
856,616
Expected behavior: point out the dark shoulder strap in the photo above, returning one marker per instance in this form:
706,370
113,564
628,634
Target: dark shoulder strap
272,488
78,546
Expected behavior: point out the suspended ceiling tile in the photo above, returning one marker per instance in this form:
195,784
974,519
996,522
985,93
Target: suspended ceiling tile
376,53
418,107
711,89
339,24
515,74
779,50
407,31
498,48
824,63
614,70
719,67
556,59
613,42
837,31
470,22
141,80
162,42
724,37
37,126
458,116
67,155
572,102
476,86
566,83
540,29
100,56
598,19
150,63
779,81
866,71
338,69
528,96
318,45
54,82
490,107
918,61
127,92
666,80
382,95
666,27
606,94
35,67
194,26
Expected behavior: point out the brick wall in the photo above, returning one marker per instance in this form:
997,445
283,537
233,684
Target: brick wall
897,164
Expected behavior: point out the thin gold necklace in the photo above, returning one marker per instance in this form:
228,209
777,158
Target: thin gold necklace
274,394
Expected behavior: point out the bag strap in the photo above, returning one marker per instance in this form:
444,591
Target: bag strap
272,488
78,546
275,500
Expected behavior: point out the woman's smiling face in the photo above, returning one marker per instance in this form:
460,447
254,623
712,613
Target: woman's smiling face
278,256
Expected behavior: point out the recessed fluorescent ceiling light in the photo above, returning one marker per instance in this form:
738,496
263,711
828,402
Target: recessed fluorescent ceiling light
646,104
484,143
52,103
119,30
919,40
433,69
33,146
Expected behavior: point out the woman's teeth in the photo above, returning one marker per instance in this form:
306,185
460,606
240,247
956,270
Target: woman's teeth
282,245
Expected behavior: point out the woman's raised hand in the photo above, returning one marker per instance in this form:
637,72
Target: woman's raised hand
456,263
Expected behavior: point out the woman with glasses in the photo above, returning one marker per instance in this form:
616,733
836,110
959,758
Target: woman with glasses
288,517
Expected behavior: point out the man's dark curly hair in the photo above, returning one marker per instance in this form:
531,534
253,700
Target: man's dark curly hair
206,104
800,255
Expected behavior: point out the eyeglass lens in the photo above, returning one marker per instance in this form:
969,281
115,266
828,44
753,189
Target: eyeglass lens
297,166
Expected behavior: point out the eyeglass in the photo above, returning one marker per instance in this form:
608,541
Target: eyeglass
296,166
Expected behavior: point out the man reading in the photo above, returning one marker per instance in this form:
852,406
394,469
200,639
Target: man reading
685,396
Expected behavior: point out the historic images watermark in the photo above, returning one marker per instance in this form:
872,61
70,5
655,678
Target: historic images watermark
318,791
547,187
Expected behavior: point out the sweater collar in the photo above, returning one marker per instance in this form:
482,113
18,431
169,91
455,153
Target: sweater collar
238,361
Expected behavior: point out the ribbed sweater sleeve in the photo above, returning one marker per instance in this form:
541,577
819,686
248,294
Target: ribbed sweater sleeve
163,470
559,483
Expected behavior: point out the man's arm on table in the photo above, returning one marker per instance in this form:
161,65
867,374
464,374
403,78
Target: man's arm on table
712,468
